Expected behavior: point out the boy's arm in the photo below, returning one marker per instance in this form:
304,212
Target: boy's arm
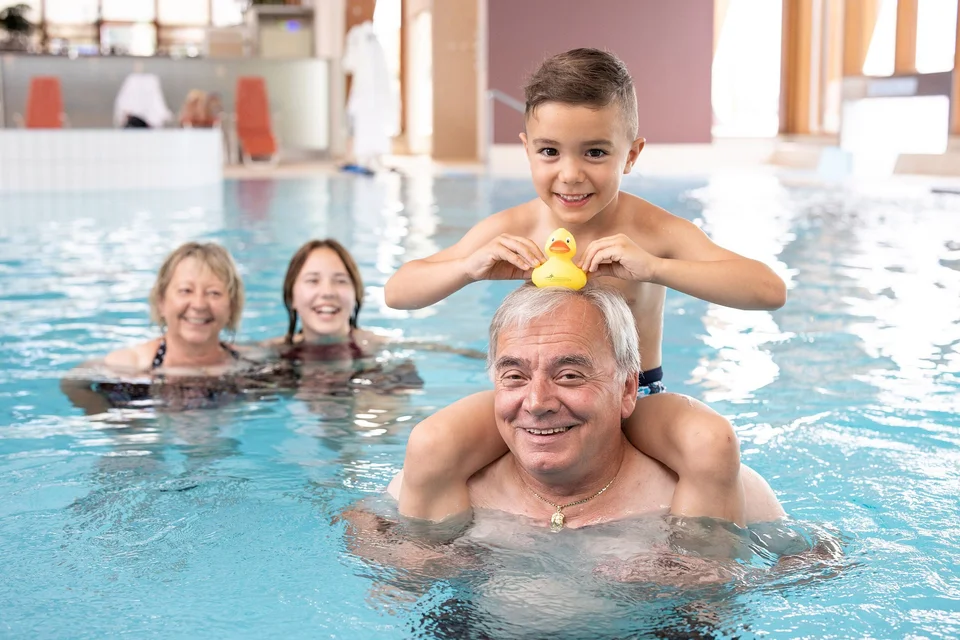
443,452
489,251
700,446
688,262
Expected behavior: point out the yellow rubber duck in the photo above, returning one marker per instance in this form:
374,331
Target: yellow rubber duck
559,270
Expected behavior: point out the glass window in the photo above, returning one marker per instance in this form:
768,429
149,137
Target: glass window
132,39
883,42
182,41
71,11
745,92
33,15
936,35
62,36
184,12
386,25
227,12
128,10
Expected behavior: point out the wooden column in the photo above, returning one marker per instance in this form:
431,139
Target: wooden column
955,93
905,56
859,21
796,78
403,66
455,87
831,65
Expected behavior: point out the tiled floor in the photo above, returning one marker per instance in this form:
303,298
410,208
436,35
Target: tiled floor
755,155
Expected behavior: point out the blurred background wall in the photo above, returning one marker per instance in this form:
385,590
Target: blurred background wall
804,77
668,47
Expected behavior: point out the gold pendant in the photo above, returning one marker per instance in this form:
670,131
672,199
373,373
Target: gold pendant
556,522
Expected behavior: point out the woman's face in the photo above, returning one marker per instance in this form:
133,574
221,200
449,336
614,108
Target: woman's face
195,305
323,296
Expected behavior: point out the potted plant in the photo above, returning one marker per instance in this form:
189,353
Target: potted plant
14,22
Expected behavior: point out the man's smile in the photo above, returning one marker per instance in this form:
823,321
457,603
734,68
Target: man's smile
547,431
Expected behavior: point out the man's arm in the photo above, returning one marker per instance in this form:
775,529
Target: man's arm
487,252
700,446
376,538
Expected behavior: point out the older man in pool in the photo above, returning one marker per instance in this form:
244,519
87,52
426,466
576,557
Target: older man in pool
564,365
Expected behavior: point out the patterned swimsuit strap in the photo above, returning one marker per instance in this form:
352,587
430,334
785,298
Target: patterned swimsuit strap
162,353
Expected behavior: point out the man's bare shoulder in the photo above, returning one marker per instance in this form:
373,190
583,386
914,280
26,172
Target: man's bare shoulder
646,485
493,487
760,501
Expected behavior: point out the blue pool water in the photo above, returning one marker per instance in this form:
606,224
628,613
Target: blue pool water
225,522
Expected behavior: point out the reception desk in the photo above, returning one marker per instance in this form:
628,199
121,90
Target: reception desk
109,159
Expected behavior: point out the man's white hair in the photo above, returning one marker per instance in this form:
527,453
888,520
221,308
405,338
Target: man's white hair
528,303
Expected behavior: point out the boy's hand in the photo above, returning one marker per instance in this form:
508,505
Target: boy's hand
505,257
620,257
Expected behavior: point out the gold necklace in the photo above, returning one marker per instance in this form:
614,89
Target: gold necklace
556,520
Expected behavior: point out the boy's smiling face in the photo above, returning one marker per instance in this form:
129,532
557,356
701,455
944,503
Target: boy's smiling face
578,156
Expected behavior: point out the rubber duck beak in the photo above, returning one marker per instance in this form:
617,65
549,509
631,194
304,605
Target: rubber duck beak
559,247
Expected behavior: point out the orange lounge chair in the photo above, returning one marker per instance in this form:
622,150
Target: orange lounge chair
254,130
44,104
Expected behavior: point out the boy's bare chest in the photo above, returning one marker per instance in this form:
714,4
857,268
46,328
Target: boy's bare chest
540,233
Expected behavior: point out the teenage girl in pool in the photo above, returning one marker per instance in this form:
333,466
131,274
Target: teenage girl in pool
323,295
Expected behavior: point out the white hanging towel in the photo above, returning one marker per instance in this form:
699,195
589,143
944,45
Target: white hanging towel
141,96
371,108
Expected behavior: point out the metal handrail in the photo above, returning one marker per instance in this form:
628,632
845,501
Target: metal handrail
507,99
493,96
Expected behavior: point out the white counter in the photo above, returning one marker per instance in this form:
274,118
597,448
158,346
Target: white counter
105,159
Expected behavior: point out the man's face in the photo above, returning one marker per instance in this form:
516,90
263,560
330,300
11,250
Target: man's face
559,400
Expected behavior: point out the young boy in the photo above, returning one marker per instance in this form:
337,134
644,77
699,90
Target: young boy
581,138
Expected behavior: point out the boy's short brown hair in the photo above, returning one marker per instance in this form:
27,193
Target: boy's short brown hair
584,77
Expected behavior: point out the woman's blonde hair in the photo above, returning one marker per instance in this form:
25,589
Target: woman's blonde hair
215,258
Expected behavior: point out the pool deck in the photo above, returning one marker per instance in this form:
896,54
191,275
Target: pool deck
798,159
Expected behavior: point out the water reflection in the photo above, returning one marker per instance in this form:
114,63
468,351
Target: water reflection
254,199
739,361
846,399
871,315
506,578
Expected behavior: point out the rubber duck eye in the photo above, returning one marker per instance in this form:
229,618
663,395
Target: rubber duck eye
553,239
568,240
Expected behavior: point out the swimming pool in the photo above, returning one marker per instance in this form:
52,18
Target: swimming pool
223,522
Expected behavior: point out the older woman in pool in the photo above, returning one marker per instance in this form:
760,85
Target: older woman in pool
198,294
